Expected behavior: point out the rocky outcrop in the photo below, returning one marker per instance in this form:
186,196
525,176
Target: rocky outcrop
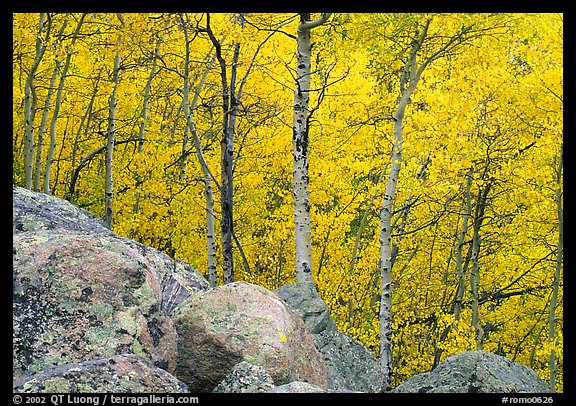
126,373
240,321
95,312
349,365
476,372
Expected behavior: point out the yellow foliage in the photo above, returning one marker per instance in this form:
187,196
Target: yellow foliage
494,105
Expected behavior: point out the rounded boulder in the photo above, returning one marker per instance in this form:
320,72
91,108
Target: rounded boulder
238,322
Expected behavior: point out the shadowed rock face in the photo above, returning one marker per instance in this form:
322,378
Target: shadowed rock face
240,321
125,373
350,365
303,297
476,372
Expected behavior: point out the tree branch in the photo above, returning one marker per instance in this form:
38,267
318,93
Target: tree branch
308,25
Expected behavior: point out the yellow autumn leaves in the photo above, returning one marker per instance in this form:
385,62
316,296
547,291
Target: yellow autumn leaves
494,106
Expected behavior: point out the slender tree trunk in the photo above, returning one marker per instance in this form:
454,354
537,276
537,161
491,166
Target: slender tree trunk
481,203
556,282
42,129
300,140
30,99
385,263
84,123
408,83
459,247
58,103
208,192
474,286
227,162
229,103
111,136
52,146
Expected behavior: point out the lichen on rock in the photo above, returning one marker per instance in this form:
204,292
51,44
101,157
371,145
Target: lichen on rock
88,300
124,373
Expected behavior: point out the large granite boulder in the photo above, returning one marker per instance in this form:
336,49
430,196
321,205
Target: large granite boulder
476,372
78,297
125,373
34,212
240,321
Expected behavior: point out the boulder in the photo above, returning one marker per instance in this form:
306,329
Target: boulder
349,365
125,373
296,387
78,297
245,378
476,372
303,297
240,321
38,212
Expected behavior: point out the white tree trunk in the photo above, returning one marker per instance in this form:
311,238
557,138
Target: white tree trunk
208,192
300,140
30,105
459,247
58,103
42,129
385,263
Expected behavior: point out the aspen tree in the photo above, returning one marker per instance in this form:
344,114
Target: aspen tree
410,76
556,281
460,267
30,99
230,104
111,132
57,104
207,175
232,92
423,49
42,127
301,140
